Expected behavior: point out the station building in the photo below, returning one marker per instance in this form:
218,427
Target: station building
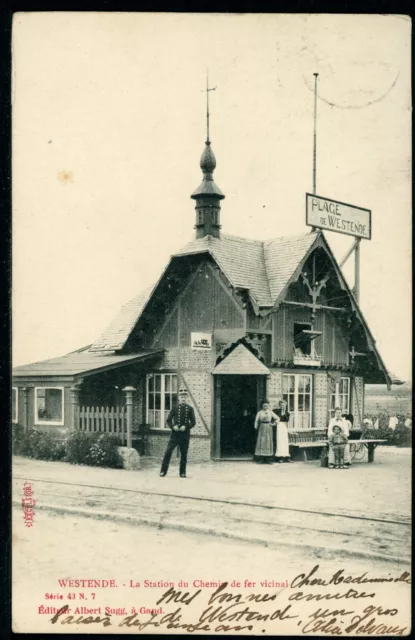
231,319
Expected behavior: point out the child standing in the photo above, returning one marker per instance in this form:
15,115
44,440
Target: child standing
338,441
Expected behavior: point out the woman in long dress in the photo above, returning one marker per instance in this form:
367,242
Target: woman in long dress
264,450
339,421
282,451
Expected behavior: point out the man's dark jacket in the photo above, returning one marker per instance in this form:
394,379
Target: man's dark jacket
182,415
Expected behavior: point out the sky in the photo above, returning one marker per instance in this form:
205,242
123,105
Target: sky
108,129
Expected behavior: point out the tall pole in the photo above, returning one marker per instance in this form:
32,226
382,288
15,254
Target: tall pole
207,106
357,270
315,136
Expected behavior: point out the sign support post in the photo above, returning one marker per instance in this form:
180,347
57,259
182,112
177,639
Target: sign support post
355,248
357,270
333,215
315,140
315,136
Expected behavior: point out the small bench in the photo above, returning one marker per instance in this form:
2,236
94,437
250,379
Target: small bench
303,446
370,446
306,439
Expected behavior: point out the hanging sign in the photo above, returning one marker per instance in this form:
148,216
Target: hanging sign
339,217
201,341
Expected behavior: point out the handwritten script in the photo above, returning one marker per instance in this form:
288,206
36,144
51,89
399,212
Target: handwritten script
340,605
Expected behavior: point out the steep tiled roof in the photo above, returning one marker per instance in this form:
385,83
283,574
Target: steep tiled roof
241,362
263,268
241,260
115,336
282,257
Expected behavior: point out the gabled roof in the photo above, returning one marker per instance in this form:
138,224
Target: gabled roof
261,267
80,362
264,269
241,361
282,258
115,336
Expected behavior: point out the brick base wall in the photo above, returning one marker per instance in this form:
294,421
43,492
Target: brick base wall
199,449
60,433
358,398
195,369
274,387
321,407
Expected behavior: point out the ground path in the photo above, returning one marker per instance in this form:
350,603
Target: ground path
361,512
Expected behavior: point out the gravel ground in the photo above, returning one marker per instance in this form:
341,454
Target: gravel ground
59,547
379,490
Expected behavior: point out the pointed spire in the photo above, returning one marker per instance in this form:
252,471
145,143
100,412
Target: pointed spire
207,106
208,194
208,160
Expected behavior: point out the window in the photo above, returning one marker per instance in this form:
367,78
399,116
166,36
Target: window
15,404
49,405
302,341
161,396
297,391
340,395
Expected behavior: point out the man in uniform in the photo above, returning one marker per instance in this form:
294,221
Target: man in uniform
181,420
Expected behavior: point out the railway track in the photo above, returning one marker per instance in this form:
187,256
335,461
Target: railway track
326,534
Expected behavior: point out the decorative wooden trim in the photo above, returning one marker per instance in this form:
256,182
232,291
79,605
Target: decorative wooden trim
227,289
175,306
309,305
357,402
266,332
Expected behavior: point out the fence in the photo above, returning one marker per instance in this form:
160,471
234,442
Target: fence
112,420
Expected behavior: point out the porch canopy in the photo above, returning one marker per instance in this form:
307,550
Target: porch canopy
82,363
241,362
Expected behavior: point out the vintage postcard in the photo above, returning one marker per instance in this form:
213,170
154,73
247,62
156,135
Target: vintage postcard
211,396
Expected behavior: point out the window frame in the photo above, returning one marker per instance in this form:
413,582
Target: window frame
52,423
338,396
310,342
292,426
16,420
163,411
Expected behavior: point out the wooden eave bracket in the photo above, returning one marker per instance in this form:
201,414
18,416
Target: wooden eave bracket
309,333
254,303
